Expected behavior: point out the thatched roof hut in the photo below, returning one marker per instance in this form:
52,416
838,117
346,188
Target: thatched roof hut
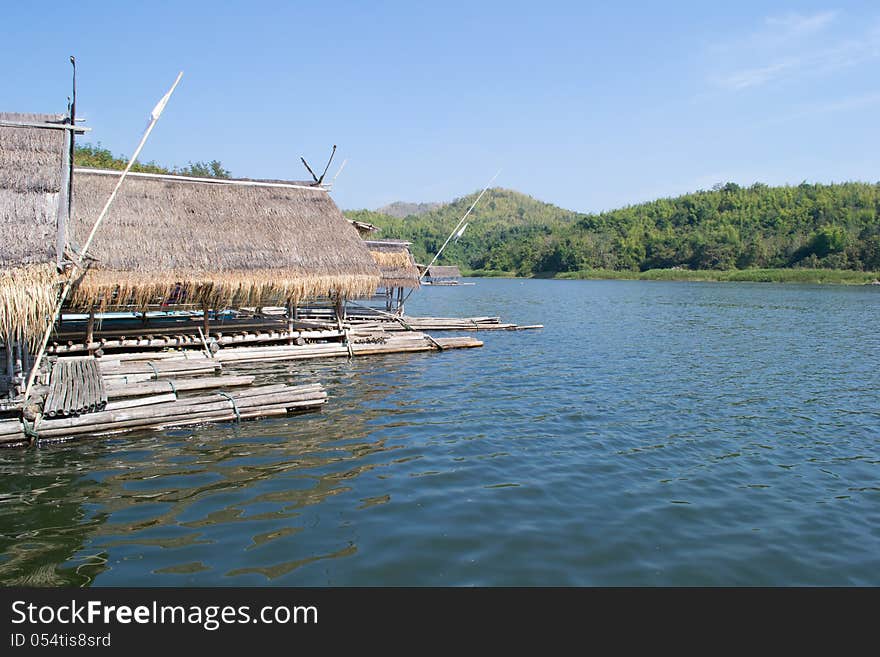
217,242
443,273
33,189
396,263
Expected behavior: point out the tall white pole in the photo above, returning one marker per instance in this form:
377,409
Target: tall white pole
455,230
154,117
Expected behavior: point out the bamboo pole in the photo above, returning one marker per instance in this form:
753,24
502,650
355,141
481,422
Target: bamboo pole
154,117
117,391
455,230
140,401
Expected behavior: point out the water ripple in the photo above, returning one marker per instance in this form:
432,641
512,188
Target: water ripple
654,433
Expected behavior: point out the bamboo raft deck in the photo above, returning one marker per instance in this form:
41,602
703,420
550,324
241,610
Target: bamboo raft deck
130,410
314,324
159,389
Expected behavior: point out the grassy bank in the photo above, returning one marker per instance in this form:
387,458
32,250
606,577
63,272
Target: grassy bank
833,276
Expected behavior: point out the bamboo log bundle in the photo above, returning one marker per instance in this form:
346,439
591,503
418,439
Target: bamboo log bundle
75,387
256,402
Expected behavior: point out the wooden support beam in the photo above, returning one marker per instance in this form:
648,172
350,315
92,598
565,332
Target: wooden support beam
339,310
90,330
63,214
290,310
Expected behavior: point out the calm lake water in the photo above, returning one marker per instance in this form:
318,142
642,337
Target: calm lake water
652,433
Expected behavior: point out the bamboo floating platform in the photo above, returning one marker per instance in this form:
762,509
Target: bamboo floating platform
312,324
85,395
169,411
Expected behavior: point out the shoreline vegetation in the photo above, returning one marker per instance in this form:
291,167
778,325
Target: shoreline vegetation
806,233
813,276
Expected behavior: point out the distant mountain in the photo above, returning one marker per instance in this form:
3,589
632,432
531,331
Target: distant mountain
401,209
503,216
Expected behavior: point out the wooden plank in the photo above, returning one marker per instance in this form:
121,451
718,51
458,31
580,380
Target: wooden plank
78,129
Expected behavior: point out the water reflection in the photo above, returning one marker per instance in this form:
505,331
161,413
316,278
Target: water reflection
164,490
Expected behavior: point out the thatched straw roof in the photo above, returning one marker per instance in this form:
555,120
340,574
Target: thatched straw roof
395,261
30,181
443,272
30,186
223,243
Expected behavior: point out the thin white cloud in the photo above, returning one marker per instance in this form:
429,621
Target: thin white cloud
753,77
790,46
848,104
798,25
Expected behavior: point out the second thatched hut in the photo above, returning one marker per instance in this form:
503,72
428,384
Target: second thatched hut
398,269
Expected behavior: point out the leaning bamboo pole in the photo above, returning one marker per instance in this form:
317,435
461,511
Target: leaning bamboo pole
77,266
454,231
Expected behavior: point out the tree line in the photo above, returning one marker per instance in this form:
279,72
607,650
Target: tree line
98,157
728,227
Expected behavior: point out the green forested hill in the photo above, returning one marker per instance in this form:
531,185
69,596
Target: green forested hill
729,227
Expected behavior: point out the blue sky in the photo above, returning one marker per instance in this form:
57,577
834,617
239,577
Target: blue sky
587,105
